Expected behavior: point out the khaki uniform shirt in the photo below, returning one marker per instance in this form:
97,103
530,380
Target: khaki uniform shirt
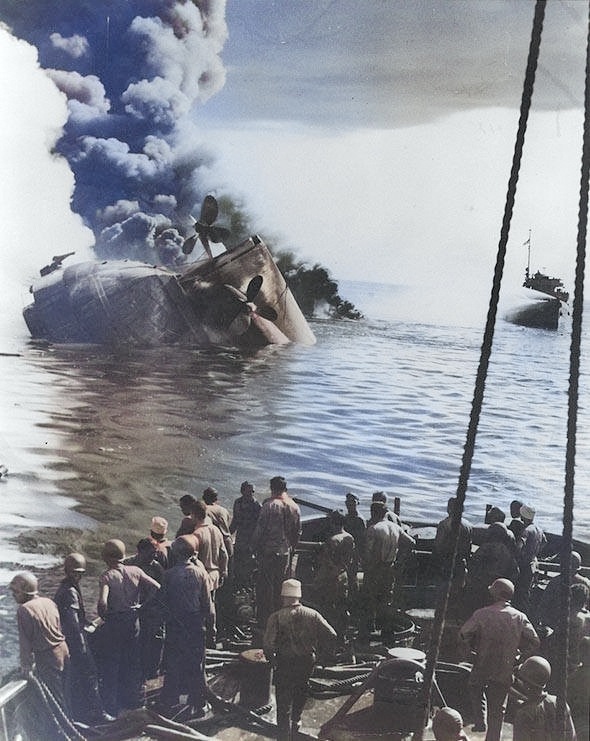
496,633
40,634
296,631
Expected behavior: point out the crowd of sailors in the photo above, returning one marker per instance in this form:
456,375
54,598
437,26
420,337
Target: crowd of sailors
160,609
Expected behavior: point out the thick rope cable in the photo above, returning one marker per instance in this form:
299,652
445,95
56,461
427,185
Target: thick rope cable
486,349
59,720
573,398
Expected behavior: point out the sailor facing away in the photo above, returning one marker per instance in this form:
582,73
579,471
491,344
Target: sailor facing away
275,538
447,725
294,636
185,594
41,641
122,589
496,634
536,716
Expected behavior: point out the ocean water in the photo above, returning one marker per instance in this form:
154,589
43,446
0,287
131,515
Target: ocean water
97,443
94,439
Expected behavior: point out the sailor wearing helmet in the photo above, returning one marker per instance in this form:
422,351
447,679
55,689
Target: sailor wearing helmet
82,681
447,725
42,643
122,589
536,716
495,634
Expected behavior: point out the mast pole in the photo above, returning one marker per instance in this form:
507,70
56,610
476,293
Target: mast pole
528,263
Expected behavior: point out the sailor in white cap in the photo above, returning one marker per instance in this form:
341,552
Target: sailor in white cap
293,636
529,546
158,530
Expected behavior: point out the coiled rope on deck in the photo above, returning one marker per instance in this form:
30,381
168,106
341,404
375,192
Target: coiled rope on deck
486,349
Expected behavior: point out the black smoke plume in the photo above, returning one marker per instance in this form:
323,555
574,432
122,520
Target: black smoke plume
132,72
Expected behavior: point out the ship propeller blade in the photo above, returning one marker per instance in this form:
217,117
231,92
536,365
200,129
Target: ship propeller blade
205,229
253,288
246,303
267,312
189,244
217,233
209,210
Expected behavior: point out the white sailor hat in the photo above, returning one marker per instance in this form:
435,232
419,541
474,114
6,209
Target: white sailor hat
291,588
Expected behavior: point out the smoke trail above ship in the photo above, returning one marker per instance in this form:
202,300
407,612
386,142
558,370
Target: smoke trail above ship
132,72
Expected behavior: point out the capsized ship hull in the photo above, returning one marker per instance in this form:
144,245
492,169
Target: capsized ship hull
122,302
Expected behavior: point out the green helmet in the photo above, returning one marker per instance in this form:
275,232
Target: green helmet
447,724
74,563
26,583
113,550
535,671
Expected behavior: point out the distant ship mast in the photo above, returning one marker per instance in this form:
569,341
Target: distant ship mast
528,263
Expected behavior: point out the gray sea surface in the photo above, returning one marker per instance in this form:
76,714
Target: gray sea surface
98,442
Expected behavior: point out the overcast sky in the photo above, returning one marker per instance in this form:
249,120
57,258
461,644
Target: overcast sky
374,137
391,63
377,138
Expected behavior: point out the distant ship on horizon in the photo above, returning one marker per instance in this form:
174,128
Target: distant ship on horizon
548,300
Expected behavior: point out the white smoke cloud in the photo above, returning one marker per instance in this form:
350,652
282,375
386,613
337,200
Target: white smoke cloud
88,89
132,74
157,101
35,193
76,46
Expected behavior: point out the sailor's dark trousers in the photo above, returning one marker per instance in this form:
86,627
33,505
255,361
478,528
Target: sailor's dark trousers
272,571
291,678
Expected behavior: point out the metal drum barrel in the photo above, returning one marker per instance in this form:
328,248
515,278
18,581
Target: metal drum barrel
254,679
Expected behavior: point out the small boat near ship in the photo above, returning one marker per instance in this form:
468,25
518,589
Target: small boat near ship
236,299
546,302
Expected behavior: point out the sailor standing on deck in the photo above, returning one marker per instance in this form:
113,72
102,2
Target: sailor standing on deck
220,517
444,545
274,541
528,547
151,619
355,525
41,641
82,681
213,556
122,589
185,595
384,538
536,716
245,516
292,639
516,525
496,634
186,504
